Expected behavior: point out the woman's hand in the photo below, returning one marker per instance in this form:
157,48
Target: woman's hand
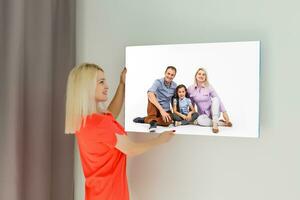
226,119
123,76
116,103
166,136
131,148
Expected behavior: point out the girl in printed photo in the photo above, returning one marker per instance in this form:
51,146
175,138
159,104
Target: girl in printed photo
184,112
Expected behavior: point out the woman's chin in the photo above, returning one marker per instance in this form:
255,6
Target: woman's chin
102,100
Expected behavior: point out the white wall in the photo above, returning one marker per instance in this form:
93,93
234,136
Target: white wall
208,168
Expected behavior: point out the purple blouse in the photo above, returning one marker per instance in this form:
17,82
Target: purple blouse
201,96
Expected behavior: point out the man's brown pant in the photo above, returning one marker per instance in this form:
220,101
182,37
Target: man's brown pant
154,115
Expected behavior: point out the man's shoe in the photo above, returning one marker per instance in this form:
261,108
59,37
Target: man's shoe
153,126
139,120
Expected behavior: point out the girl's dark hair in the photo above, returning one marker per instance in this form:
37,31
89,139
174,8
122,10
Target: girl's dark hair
176,95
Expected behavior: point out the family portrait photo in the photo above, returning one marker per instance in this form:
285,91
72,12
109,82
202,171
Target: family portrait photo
196,89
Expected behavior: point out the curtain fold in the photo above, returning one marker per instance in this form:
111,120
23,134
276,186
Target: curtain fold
37,52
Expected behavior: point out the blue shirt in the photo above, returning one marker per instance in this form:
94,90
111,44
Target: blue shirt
183,105
163,92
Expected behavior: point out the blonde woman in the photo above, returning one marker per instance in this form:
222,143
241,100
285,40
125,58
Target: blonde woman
103,143
209,105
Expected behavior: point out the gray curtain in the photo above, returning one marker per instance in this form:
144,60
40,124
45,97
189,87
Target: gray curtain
37,50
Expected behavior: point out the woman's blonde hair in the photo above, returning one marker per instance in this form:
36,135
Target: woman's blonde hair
80,99
206,83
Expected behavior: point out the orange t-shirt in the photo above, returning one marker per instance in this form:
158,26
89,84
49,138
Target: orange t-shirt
104,166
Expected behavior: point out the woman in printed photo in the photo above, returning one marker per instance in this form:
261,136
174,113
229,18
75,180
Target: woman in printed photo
209,105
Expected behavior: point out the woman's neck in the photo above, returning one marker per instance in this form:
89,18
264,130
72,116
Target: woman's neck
200,84
100,111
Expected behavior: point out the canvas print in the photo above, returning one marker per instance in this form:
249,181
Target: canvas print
196,89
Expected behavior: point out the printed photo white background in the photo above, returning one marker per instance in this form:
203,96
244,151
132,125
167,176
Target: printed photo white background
233,71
